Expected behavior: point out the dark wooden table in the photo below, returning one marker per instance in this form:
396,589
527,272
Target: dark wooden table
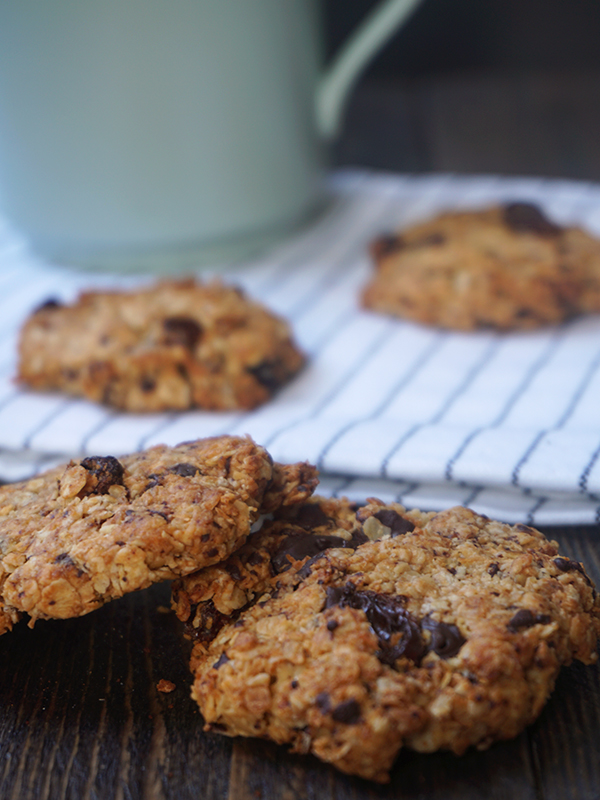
80,715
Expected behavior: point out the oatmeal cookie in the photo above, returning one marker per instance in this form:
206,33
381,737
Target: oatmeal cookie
392,629
175,345
507,267
81,535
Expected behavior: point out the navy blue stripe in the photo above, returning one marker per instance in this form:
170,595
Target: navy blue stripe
446,406
534,509
110,416
567,414
411,487
519,391
396,389
583,478
475,491
350,373
41,425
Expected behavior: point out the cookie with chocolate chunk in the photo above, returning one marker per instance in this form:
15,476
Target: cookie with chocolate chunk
175,345
506,267
81,535
350,633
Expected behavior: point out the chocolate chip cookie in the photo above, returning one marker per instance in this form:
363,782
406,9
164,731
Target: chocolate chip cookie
507,267
351,633
81,535
175,345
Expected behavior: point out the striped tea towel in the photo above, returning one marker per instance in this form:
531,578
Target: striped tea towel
508,424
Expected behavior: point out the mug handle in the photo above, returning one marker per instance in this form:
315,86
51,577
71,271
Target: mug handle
337,81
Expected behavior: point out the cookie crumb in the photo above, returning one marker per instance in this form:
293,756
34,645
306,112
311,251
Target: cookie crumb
165,686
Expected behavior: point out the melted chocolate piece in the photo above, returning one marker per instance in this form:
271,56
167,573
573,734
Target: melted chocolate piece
234,571
397,631
524,618
255,558
301,545
529,218
184,470
567,564
183,331
493,569
268,374
397,523
210,622
446,640
311,515
358,537
347,712
223,659
106,471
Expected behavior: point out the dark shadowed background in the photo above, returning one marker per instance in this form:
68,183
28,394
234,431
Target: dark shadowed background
451,35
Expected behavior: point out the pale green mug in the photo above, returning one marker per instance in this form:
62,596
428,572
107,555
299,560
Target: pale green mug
163,134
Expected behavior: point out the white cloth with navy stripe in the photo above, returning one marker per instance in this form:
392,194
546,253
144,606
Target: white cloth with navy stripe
508,424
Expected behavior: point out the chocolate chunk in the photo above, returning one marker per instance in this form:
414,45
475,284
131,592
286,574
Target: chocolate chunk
156,513
106,471
255,558
147,384
301,545
154,480
397,631
311,515
183,331
388,618
567,564
446,640
323,702
386,244
212,552
524,618
358,537
49,305
268,374
332,625
184,470
564,564
207,623
65,559
306,569
234,571
223,659
493,569
347,712
529,218
391,519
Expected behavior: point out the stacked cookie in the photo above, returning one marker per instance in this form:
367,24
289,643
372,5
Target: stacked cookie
345,631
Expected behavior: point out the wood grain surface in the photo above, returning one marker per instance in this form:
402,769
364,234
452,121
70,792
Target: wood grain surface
80,715
82,718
